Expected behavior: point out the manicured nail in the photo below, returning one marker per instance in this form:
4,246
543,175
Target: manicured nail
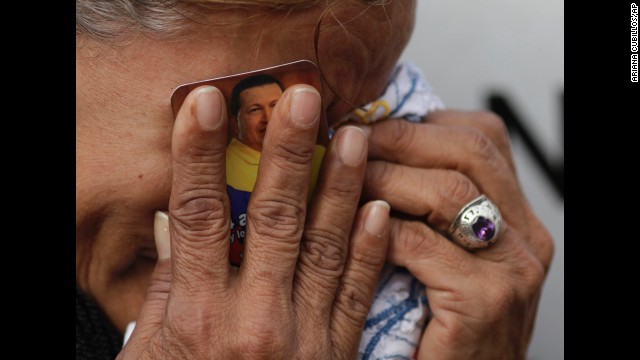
161,233
209,107
365,128
351,145
305,107
378,218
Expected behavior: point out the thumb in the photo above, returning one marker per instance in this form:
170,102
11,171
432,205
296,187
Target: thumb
152,313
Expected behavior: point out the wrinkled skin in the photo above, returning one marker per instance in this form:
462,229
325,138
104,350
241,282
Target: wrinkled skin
484,302
305,292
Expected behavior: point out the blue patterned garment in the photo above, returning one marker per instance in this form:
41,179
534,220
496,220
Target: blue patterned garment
400,309
407,96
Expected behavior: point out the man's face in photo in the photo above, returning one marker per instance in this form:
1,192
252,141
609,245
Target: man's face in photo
256,106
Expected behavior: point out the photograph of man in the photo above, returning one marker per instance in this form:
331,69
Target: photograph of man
252,102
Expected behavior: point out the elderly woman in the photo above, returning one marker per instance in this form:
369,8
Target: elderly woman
308,276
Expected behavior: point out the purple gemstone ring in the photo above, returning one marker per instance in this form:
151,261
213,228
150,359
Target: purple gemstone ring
478,225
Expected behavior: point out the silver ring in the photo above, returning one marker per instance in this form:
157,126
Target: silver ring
478,225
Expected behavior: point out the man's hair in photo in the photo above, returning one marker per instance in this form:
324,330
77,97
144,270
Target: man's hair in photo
244,84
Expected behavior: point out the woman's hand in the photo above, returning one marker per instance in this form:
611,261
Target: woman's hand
304,289
484,302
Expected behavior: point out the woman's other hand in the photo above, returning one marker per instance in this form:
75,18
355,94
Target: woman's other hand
483,302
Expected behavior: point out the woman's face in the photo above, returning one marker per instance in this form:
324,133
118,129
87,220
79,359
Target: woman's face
124,118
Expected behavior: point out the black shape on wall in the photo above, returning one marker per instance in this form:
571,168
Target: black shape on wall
553,170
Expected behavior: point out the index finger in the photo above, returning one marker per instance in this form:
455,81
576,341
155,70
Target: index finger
459,148
487,122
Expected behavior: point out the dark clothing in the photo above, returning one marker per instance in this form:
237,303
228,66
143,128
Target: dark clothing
96,337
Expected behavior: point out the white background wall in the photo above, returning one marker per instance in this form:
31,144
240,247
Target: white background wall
469,48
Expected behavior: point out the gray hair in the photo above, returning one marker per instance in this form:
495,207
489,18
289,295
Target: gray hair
106,19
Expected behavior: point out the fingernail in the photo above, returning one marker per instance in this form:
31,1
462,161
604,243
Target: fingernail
209,107
161,233
128,331
378,218
365,128
351,145
305,107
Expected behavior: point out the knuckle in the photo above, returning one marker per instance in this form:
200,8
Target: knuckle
401,135
160,282
528,271
545,247
261,346
263,341
519,287
276,216
199,214
547,250
353,303
516,288
344,191
195,204
458,190
480,145
369,258
500,300
497,130
341,194
194,155
413,237
533,274
493,124
535,279
325,250
189,324
379,176
289,156
194,277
